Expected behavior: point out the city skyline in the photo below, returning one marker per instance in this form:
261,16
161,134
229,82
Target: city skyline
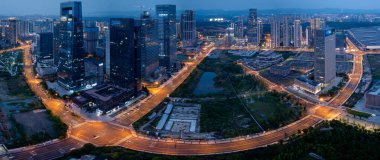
103,6
176,80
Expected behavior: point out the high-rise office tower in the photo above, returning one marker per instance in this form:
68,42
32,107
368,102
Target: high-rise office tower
91,35
315,24
229,35
2,27
94,70
325,56
178,30
123,55
56,41
188,28
297,34
166,15
239,29
107,52
307,34
149,44
260,31
11,31
71,52
45,46
252,27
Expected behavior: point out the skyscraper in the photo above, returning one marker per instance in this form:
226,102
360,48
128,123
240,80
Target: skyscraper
315,24
239,29
252,27
149,44
229,35
45,46
108,52
91,35
188,28
307,35
11,31
57,38
260,31
297,34
280,31
325,56
71,52
23,28
178,30
166,15
123,55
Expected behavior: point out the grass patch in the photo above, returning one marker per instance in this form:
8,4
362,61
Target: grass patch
226,118
358,113
20,138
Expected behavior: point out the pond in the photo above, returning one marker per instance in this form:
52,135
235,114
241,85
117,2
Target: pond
206,84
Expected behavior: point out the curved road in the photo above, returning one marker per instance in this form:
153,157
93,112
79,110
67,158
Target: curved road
119,132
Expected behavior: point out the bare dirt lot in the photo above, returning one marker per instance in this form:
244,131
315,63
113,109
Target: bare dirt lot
34,123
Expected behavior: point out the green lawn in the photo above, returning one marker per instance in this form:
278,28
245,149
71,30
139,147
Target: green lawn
358,113
272,110
227,118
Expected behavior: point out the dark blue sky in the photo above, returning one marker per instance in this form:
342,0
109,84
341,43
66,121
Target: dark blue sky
51,7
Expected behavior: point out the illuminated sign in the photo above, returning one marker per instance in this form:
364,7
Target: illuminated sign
329,32
162,15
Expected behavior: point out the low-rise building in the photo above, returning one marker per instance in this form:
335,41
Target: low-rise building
103,99
46,69
307,85
263,60
183,117
364,38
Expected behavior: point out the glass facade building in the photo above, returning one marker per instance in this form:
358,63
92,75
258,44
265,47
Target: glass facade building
70,46
325,56
124,55
166,15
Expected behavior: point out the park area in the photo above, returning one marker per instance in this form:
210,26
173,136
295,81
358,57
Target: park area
233,103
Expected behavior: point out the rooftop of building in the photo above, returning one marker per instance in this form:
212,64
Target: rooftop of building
375,90
367,36
308,81
282,67
105,92
269,54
